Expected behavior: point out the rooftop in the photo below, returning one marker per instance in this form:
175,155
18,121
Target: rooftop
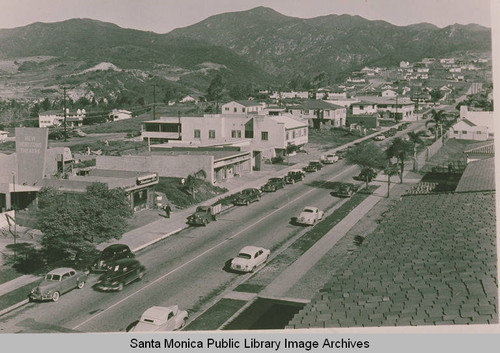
318,104
478,176
436,267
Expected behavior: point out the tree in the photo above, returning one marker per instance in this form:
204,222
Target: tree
437,118
73,224
400,149
415,139
192,180
216,89
366,156
436,95
390,170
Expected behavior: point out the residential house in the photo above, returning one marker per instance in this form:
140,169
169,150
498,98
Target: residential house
389,93
402,108
188,99
3,135
242,107
473,125
320,114
404,64
119,114
56,118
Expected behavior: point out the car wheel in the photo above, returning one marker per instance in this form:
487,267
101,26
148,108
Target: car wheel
120,287
267,258
293,181
205,222
55,296
183,324
247,203
141,274
252,269
81,284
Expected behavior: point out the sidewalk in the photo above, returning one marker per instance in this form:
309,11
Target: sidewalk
156,231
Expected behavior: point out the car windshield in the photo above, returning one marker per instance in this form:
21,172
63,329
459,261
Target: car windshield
308,210
52,277
242,255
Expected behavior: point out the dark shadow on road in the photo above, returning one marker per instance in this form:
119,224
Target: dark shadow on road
331,185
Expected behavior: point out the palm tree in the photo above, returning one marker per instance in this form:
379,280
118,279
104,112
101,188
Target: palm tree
400,149
437,118
390,170
416,140
193,178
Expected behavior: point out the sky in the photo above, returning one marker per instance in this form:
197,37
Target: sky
162,16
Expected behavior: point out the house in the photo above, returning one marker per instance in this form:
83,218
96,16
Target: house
56,118
119,114
389,93
400,108
404,64
473,125
320,114
3,135
242,107
447,61
188,99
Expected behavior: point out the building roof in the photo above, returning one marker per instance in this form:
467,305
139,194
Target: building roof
437,266
483,148
385,100
218,155
481,118
288,121
478,176
318,104
246,103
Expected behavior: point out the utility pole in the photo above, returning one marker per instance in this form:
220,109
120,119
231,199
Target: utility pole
15,214
64,104
154,102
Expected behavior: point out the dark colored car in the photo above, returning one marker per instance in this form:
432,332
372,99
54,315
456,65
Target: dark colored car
247,196
274,184
370,173
346,190
109,255
313,166
123,272
294,176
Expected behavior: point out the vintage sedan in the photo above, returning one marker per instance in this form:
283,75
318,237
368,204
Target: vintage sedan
366,173
310,215
247,196
274,184
329,159
57,282
160,318
313,166
346,190
124,271
109,255
294,176
249,258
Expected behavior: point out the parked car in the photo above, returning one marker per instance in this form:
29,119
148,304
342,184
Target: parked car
249,258
329,159
310,215
160,318
205,214
368,172
313,166
58,282
123,272
109,255
274,184
78,133
247,196
346,190
294,175
379,137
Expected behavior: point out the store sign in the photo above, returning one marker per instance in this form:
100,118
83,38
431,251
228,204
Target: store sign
31,145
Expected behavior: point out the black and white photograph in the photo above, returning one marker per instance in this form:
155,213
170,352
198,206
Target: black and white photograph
248,166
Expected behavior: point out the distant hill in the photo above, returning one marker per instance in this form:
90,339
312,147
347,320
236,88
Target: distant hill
333,43
258,47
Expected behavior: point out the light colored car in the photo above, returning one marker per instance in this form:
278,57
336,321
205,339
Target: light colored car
58,282
379,138
249,258
329,159
160,318
310,215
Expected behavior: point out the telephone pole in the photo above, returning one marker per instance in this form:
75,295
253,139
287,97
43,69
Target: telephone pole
154,102
64,104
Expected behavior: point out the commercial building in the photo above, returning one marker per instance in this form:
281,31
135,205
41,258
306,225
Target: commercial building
320,114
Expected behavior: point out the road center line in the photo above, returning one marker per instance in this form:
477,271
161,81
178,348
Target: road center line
208,250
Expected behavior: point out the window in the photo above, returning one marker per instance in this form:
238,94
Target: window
236,133
456,132
197,134
464,132
249,134
235,109
211,134
287,135
264,135
305,131
293,134
243,110
478,132
361,107
226,109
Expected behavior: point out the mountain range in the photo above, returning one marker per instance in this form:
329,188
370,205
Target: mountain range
258,47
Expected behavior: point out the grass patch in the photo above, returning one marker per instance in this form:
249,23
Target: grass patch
8,146
305,242
214,317
17,295
386,123
114,148
7,274
180,195
329,139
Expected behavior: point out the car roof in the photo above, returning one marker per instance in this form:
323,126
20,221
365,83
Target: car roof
126,262
250,249
116,247
310,208
157,312
295,171
60,271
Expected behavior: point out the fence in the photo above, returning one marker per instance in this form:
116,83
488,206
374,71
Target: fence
430,151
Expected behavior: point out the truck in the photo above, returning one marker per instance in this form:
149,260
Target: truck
205,214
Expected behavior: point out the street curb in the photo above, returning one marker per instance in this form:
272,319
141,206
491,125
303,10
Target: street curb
13,307
158,239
